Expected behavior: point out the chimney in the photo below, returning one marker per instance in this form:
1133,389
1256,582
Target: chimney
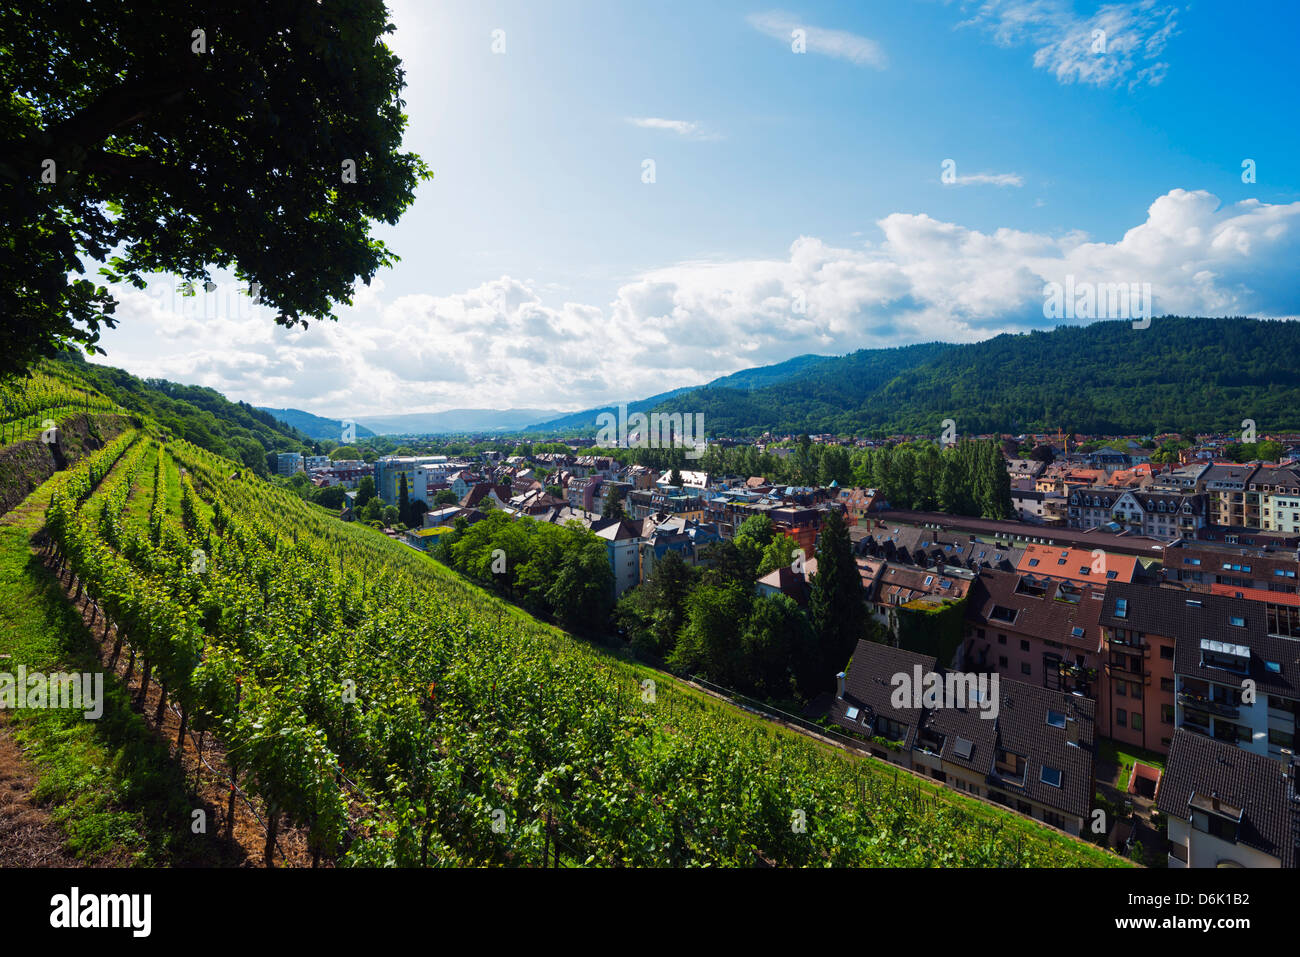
839,685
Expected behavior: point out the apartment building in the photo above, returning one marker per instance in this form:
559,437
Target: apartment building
1277,491
622,540
1136,702
1163,515
1226,569
1226,486
287,463
1077,565
1221,666
1034,754
1035,630
1228,808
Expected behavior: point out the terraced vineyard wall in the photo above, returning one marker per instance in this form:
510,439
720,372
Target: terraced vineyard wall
26,464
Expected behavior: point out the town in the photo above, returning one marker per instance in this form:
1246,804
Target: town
1138,603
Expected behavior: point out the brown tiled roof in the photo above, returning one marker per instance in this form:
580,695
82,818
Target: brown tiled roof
1198,765
867,685
1050,616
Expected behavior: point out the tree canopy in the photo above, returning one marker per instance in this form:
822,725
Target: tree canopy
259,136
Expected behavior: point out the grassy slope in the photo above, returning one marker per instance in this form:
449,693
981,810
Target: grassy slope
110,783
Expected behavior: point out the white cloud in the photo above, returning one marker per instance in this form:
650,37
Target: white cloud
841,44
1121,41
502,344
685,128
988,179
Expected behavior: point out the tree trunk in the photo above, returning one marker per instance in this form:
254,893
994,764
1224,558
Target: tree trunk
272,822
117,650
144,683
162,706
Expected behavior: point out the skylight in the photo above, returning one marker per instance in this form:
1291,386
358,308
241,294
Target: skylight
1050,776
963,748
1056,719
1121,607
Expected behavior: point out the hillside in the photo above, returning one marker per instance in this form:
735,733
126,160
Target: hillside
196,414
315,427
1181,374
744,380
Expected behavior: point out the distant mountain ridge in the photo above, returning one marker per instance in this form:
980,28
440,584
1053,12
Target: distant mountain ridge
1179,374
742,380
315,427
454,421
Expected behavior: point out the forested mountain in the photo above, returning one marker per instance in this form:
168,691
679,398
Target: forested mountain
1180,374
197,414
744,380
313,426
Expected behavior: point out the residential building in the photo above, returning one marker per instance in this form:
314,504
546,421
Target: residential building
1226,486
622,540
287,463
1135,704
1034,754
1228,808
1036,630
1077,565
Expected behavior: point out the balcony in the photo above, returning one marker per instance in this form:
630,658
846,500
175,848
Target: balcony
1222,709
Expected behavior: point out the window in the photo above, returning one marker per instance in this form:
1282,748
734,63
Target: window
1121,607
1167,652
1025,669
1121,717
1136,722
1056,719
1166,714
1167,684
1002,661
1002,639
1237,621
1050,776
1120,687
1024,645
1033,562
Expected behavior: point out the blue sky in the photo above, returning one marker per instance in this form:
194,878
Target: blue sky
540,270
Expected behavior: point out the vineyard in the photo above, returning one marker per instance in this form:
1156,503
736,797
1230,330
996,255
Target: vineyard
395,715
34,403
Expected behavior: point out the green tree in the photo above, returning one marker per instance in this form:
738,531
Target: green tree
331,497
365,491
652,613
710,642
613,504
267,144
836,606
582,590
403,499
445,497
